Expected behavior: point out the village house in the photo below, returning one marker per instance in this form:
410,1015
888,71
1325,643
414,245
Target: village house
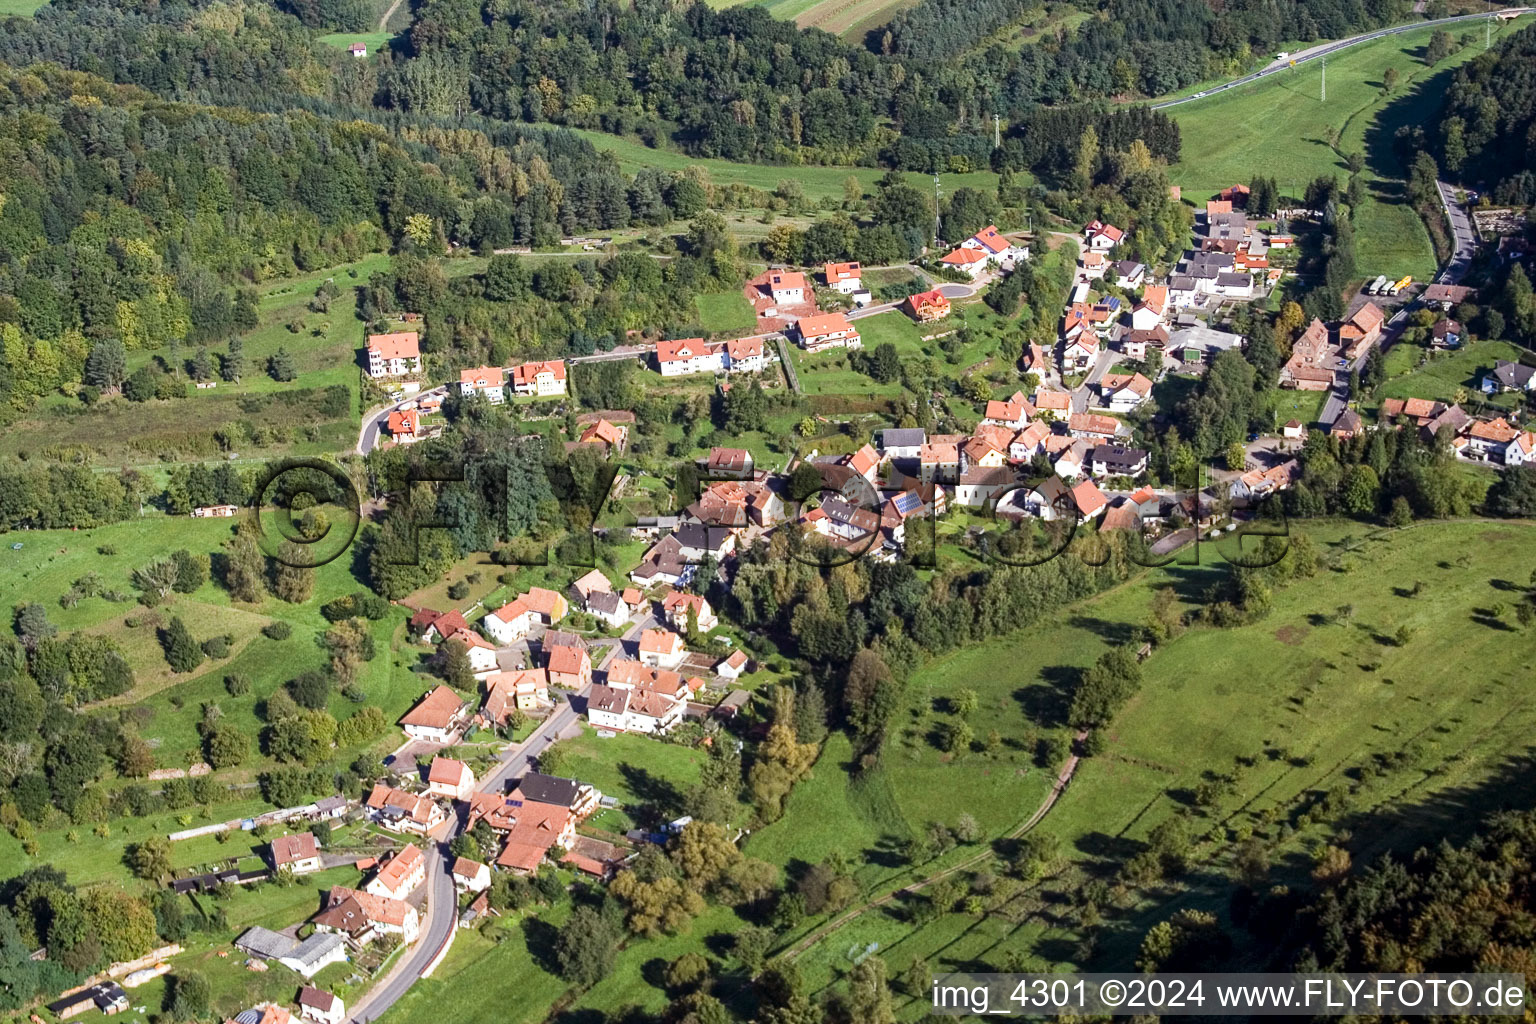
435,627
1069,455
1079,353
663,563
1361,331
522,689
1150,312
1090,501
1123,392
394,355
1014,412
481,652
399,811
1102,237
732,665
449,778
926,306
981,484
1133,344
517,618
982,452
580,798
827,330
970,262
320,1006
403,425
608,608
1260,483
299,853
661,648
993,246
1311,365
939,462
1520,450
1294,430
745,355
540,378
106,997
1446,333
399,875
611,436
436,717
363,917
902,442
728,464
569,666
589,583
1130,274
677,606
1092,265
1508,376
681,356
470,875
1117,460
358,50
536,831
696,542
787,287
624,710
1488,439
1028,441
1058,403
483,380
1093,427
843,277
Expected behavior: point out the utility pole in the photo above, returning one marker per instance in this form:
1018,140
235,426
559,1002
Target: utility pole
997,133
935,209
1488,32
1324,98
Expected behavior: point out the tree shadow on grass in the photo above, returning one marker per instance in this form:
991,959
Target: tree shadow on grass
540,938
657,800
1048,701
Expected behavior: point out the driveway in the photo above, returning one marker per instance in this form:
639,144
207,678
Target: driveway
373,426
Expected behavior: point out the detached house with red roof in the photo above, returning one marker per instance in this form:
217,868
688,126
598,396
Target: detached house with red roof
926,306
1122,392
449,778
399,811
970,262
1152,309
827,330
482,653
994,247
404,425
1015,412
399,876
845,278
611,436
523,690
1102,237
363,917
488,381
788,287
299,853
745,355
661,648
435,717
569,666
678,604
541,378
516,618
681,356
394,355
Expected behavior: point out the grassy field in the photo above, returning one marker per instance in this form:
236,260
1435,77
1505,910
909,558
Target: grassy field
723,312
23,8
1284,710
1444,375
1280,127
850,19
816,182
167,707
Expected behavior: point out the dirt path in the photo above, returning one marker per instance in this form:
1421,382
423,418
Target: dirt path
1062,778
384,21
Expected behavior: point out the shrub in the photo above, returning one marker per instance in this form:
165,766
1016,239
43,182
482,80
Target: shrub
278,630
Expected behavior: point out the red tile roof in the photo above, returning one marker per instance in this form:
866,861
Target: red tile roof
399,345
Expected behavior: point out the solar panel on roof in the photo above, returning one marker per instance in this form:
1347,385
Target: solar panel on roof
907,502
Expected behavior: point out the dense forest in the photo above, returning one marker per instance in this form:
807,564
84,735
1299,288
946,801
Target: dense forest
1484,130
733,83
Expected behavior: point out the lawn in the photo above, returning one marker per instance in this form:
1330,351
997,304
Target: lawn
817,182
1444,375
1288,404
1283,118
850,19
167,707
723,312
23,8
1284,709
647,777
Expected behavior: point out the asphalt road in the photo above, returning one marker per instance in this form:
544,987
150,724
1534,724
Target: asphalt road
1323,49
441,913
373,426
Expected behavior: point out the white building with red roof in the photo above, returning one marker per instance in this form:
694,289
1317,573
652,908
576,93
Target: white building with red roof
843,277
681,356
970,262
990,242
450,778
483,380
394,355
1101,236
787,286
827,330
541,378
745,355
